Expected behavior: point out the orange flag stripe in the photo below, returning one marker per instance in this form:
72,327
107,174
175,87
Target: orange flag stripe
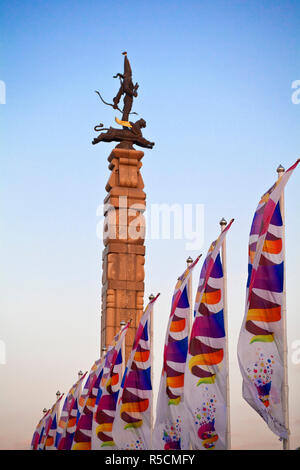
138,406
264,314
207,359
141,356
91,402
115,379
71,422
273,246
82,446
211,297
49,441
177,325
104,427
175,382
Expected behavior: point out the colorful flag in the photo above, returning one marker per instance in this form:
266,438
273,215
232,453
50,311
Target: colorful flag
205,384
132,423
260,347
89,383
44,427
111,380
38,431
52,426
169,430
68,418
87,402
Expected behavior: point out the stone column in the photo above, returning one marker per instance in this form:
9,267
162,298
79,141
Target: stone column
124,252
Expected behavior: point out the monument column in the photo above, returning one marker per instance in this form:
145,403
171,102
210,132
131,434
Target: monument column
124,252
124,225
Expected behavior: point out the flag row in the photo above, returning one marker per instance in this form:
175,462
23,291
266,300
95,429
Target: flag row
114,408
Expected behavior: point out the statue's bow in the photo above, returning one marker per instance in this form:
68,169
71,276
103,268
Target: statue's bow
110,104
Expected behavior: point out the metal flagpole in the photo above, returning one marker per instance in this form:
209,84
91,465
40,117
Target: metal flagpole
58,394
189,261
151,297
80,374
285,402
104,349
122,324
223,224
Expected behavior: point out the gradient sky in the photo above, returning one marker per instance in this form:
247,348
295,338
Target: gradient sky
215,89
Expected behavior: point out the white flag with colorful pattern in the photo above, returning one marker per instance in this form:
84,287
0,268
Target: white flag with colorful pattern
132,424
205,385
104,414
260,347
171,430
52,426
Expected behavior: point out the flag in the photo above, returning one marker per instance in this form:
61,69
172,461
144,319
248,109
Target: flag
111,380
205,384
52,426
44,427
89,383
169,430
37,433
260,346
132,423
87,402
68,417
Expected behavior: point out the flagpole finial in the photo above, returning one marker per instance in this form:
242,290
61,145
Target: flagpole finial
58,394
189,260
280,169
80,374
223,222
45,410
104,351
151,297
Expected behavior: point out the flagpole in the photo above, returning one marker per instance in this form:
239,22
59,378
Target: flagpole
285,403
223,224
122,324
58,394
80,374
189,261
151,297
104,349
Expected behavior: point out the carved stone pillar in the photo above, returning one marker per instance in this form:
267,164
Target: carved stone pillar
124,252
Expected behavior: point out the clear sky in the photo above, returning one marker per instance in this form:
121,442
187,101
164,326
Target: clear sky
215,89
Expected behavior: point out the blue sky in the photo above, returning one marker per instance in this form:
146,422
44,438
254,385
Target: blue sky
215,89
